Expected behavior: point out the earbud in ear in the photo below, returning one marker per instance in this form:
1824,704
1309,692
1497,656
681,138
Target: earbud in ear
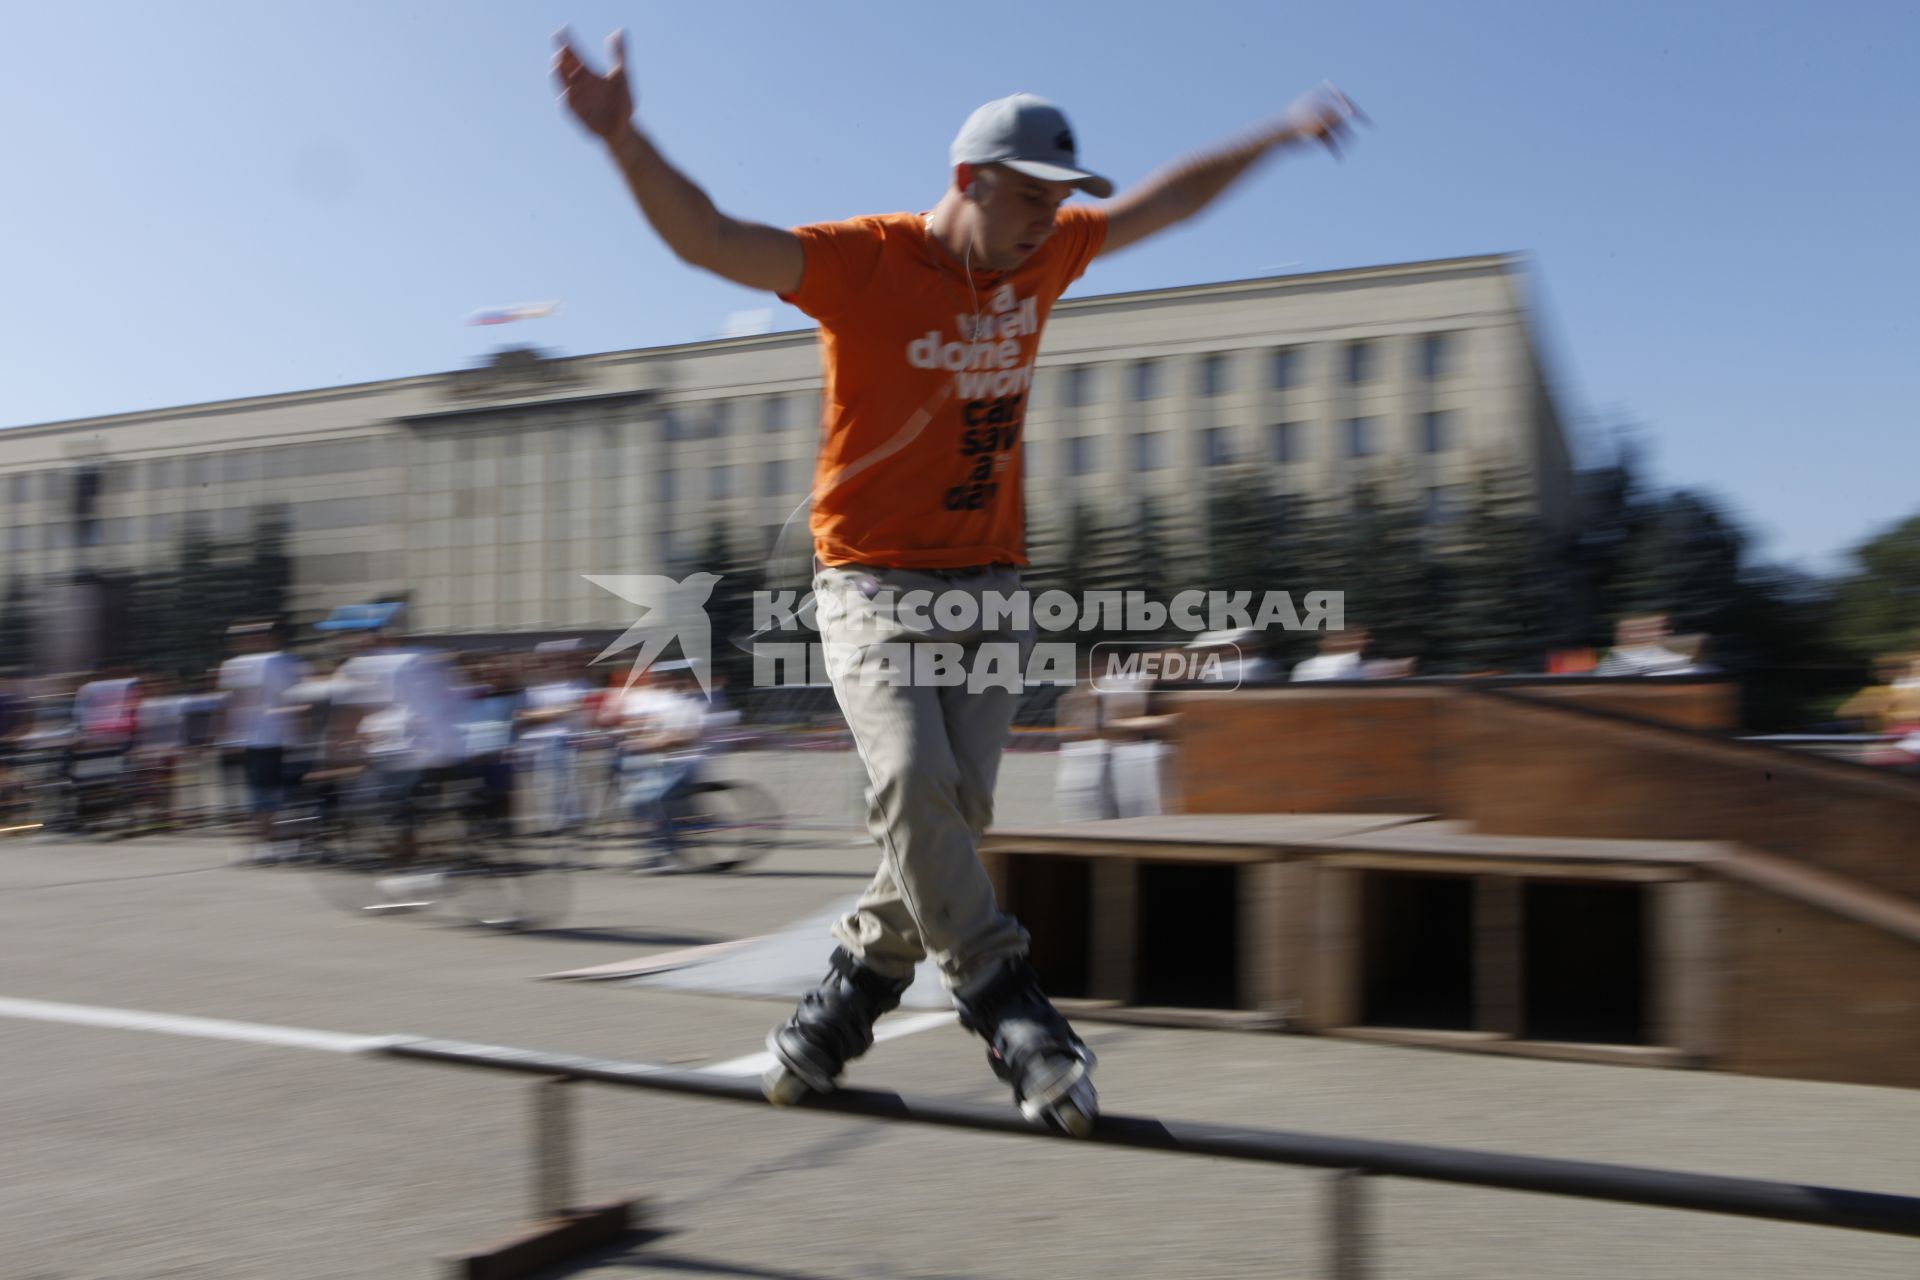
972,192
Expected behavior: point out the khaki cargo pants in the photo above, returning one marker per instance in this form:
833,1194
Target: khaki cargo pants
932,755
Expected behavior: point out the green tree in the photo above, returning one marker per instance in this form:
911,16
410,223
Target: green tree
1612,507
1878,599
1683,559
1151,548
1781,641
1379,545
730,607
1500,608
269,569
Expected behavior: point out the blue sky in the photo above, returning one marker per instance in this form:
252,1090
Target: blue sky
214,200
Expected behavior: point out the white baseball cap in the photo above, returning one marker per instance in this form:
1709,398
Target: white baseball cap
1029,135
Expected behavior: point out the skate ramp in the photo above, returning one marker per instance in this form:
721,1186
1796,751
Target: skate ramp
1575,760
783,965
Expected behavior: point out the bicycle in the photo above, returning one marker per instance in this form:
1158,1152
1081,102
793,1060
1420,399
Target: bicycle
463,855
719,824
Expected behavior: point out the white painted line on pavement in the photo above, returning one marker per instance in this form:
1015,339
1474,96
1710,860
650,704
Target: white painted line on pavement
755,1063
88,1015
174,1024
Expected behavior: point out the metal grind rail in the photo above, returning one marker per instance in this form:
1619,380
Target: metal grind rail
1352,1159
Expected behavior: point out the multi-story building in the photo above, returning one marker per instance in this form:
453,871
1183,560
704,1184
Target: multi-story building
486,493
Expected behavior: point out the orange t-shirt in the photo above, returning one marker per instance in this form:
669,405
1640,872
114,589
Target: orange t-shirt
927,377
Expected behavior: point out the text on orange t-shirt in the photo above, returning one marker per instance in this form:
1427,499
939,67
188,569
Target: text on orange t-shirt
927,375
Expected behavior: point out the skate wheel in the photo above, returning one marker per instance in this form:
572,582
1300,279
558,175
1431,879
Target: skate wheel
1071,1120
782,1087
1072,1113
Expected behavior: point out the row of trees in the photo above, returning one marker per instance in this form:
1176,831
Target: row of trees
1487,588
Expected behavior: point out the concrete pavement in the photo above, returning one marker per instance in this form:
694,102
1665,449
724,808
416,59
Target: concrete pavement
137,1154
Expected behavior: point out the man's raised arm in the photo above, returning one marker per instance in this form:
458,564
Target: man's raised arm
1178,192
748,253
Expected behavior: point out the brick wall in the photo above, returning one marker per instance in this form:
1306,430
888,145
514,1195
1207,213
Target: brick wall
1519,769
1813,996
1344,750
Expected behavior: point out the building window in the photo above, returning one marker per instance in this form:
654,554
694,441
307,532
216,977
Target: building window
1359,362
773,477
1433,355
1080,455
1285,369
722,414
1216,375
22,487
328,513
1359,437
56,486
1436,432
1079,388
1149,450
1146,380
357,455
776,411
1289,442
663,481
722,483
199,470
1216,447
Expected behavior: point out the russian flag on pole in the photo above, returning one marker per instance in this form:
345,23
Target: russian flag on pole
507,315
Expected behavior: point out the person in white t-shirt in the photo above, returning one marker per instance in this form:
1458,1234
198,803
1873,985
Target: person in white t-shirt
259,721
551,714
1643,645
1342,657
662,724
399,702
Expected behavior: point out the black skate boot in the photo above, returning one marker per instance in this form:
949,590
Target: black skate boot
1031,1047
832,1026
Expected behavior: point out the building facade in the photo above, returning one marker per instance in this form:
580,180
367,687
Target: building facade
485,494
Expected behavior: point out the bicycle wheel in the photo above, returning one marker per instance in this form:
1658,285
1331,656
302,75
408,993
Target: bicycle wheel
509,882
723,826
364,877
604,820
361,865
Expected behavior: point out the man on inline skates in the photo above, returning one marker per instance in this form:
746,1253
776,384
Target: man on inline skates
929,326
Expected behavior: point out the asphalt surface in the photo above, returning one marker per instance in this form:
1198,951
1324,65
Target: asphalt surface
139,1153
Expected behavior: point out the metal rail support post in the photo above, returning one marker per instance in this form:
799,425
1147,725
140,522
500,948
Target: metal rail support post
553,1180
1347,1253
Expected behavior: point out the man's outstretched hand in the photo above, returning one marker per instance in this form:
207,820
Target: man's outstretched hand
603,104
1325,115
